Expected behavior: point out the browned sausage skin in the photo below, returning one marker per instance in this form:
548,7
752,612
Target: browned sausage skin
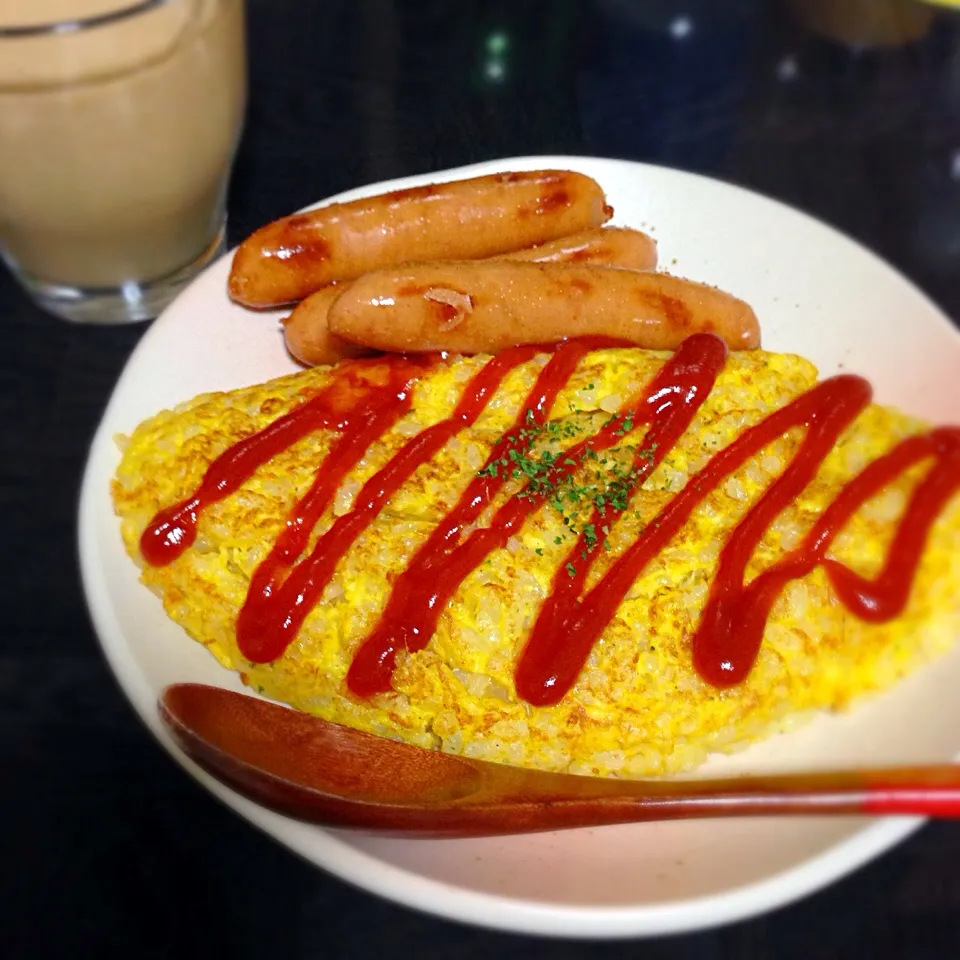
486,307
464,219
309,340
604,246
307,336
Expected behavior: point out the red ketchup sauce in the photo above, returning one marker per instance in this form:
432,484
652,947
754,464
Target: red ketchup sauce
366,398
421,592
437,571
274,611
363,400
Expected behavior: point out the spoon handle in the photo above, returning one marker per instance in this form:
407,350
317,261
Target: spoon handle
929,791
335,776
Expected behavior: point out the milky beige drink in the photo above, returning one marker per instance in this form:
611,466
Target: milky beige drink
116,139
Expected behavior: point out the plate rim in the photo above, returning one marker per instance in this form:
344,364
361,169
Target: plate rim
406,886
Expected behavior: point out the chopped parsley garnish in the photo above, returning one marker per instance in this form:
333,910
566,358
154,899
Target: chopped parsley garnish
579,484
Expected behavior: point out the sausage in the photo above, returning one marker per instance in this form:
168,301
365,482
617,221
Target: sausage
481,217
307,337
604,246
309,341
486,307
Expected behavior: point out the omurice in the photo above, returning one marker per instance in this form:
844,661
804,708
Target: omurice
588,558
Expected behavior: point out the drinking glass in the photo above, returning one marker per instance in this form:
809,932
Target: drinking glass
119,123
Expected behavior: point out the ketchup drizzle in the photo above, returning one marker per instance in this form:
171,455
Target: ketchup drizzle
885,596
274,612
362,395
420,593
412,615
366,397
555,653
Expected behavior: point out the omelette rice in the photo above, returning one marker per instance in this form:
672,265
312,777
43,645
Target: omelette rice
638,706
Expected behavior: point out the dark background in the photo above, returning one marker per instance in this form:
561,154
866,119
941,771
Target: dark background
104,842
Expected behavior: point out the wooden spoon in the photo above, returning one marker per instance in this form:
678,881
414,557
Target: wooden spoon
332,775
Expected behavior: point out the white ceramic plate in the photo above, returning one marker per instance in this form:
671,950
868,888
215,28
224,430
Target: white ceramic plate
816,293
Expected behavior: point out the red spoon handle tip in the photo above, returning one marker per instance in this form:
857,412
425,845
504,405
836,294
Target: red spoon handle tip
941,801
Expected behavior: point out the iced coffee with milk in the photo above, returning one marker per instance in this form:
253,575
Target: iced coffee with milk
119,121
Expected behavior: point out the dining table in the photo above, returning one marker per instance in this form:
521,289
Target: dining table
107,845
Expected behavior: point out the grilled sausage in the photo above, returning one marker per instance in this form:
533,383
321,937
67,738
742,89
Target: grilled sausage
309,341
480,217
604,246
486,307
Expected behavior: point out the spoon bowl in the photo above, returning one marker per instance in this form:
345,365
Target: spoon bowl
335,776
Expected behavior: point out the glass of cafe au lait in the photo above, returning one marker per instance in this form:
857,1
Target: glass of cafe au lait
119,122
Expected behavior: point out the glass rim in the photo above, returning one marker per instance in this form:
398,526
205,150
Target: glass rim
80,24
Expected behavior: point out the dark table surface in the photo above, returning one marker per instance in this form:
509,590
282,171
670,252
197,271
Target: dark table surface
105,843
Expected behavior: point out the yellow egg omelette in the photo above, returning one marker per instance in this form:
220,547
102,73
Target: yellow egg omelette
638,707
